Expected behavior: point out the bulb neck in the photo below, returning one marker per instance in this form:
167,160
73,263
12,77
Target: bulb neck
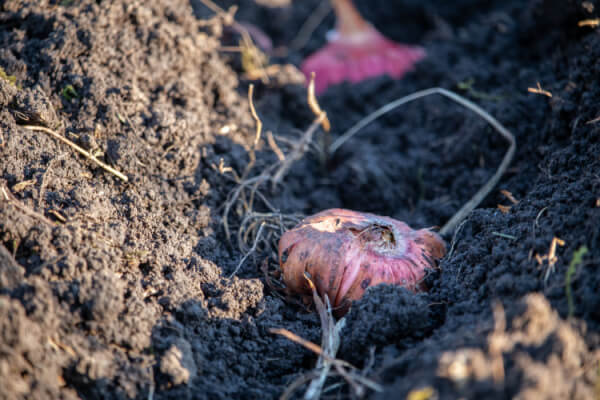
348,20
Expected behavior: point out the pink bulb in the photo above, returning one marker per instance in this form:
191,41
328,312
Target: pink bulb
345,252
357,52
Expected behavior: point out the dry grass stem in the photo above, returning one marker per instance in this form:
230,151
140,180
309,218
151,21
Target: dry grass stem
593,121
330,339
298,151
252,250
22,185
589,22
314,104
59,345
315,348
234,195
310,25
483,191
550,257
509,196
259,124
538,90
273,145
79,149
327,355
263,229
10,198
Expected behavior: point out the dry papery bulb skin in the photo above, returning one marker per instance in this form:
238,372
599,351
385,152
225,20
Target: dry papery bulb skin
345,252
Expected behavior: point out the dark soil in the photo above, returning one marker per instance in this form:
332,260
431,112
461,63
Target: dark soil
122,290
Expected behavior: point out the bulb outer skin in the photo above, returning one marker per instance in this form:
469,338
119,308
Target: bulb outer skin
345,252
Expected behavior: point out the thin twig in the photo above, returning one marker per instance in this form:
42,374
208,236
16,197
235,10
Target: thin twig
259,124
298,382
9,197
330,342
252,250
298,150
310,25
315,348
485,189
314,104
273,145
589,22
77,148
538,90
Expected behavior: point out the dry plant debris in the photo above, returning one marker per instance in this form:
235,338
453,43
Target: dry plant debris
550,257
589,22
79,149
262,229
330,343
254,60
254,115
11,199
504,208
538,90
478,197
426,393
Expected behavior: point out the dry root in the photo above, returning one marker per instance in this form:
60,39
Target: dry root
327,364
478,197
261,224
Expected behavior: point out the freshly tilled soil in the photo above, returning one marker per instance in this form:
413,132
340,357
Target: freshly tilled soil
113,289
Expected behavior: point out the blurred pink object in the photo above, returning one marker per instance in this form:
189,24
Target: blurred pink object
357,51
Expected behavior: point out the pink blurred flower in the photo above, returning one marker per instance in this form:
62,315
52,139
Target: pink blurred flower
357,51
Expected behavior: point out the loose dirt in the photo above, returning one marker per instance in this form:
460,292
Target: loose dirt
123,290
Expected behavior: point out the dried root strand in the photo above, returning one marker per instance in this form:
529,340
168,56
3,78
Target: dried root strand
259,123
252,250
263,229
310,25
478,197
314,104
298,151
330,342
6,195
79,149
